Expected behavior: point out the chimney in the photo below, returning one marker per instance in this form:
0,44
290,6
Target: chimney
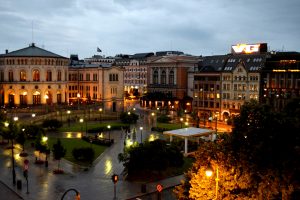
6,51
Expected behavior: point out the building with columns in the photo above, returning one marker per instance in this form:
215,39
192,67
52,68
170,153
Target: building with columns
168,81
33,76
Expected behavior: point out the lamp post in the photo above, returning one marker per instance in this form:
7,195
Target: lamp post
12,153
100,111
86,131
44,140
78,98
152,114
181,120
141,128
216,126
33,116
209,172
69,112
108,126
81,121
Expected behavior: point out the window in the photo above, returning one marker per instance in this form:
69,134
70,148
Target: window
163,77
59,75
87,77
95,77
22,75
155,77
36,75
49,76
10,76
171,78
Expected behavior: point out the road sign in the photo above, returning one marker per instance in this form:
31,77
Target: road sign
26,164
159,187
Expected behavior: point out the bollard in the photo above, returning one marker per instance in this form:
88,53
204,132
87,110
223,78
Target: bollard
19,184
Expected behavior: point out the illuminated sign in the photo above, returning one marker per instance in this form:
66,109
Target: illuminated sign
248,48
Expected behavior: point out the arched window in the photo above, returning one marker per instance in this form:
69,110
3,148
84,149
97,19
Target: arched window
163,77
36,75
155,77
58,75
49,76
22,75
171,78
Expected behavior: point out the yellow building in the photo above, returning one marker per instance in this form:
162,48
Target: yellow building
32,76
96,84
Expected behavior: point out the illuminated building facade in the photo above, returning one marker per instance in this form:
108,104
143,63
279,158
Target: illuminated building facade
135,74
33,76
96,84
168,81
281,79
207,87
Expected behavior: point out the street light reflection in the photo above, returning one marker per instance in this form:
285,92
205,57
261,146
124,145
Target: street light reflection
153,137
108,166
78,135
69,135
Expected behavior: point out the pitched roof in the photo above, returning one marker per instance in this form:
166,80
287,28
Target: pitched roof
31,51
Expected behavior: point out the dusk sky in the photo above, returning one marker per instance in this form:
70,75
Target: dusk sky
197,27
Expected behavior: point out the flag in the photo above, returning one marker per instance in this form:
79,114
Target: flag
98,50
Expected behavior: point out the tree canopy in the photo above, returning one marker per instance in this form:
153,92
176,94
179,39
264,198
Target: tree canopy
260,159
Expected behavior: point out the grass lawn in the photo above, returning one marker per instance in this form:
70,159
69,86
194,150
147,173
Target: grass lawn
76,127
71,143
170,126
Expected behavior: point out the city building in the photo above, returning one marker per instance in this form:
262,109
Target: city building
33,76
280,79
100,84
207,87
167,82
135,74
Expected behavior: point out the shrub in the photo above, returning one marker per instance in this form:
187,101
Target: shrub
52,124
83,154
163,119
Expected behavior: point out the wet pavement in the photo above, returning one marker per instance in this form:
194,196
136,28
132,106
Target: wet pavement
92,183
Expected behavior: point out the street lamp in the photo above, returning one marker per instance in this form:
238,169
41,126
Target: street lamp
216,126
100,111
141,128
181,120
209,172
44,140
186,124
46,102
108,126
152,114
6,124
81,121
78,98
69,112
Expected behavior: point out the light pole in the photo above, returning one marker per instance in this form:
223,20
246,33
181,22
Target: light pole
44,140
141,128
108,126
152,114
69,112
181,120
100,111
216,126
81,121
209,172
33,116
12,153
78,98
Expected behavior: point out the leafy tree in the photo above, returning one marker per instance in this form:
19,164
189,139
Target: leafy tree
58,152
40,145
128,118
258,160
21,138
163,119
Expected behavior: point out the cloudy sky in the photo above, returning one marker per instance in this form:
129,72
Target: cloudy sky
198,27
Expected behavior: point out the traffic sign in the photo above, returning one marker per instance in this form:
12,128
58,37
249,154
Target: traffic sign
159,187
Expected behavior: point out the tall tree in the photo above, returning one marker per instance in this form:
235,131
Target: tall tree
58,152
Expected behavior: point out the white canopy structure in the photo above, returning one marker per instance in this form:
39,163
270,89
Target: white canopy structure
188,133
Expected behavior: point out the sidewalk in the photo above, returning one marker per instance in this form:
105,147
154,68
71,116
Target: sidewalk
8,193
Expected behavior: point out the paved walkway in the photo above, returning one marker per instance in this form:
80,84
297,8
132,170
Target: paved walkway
94,183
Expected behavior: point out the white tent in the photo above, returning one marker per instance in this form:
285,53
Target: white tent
188,133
